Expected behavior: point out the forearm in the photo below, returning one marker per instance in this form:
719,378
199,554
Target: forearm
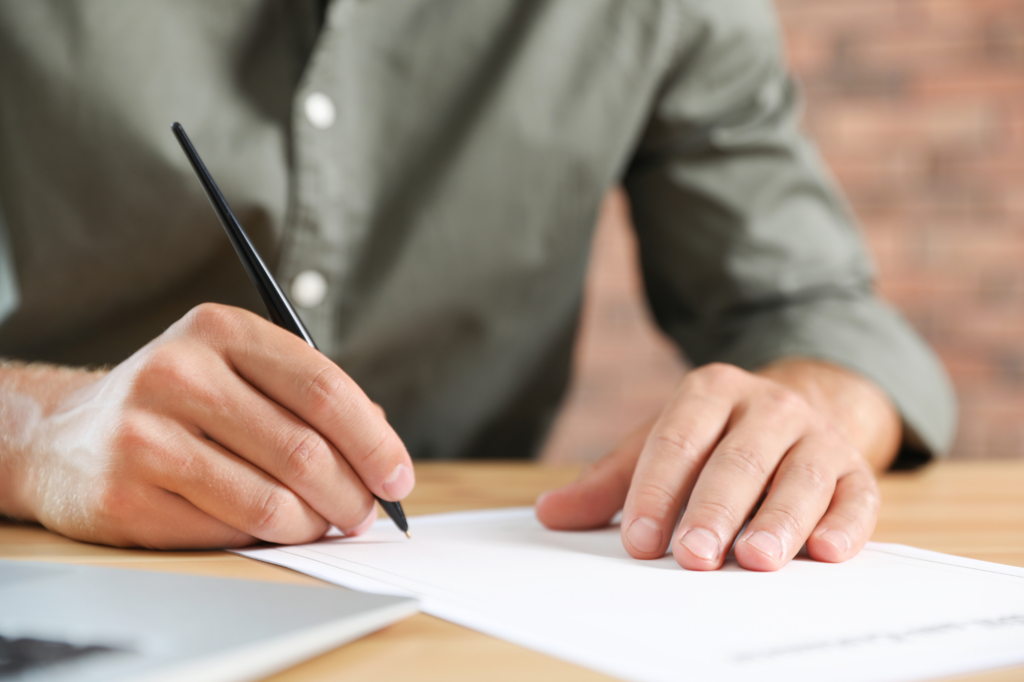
28,394
857,406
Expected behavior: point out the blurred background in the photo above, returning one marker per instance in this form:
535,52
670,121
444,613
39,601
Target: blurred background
918,107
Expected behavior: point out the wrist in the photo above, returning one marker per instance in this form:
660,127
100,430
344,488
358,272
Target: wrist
852,403
19,418
29,394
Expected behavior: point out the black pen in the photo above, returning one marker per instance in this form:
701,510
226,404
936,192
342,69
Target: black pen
281,311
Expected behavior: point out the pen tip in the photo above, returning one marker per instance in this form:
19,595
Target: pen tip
408,535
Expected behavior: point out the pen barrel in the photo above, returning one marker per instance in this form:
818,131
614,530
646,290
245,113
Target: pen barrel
278,307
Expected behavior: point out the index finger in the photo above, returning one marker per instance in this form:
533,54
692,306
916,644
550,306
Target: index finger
668,466
304,381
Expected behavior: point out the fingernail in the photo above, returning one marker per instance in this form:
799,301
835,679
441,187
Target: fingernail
837,539
766,543
540,500
644,534
400,482
702,544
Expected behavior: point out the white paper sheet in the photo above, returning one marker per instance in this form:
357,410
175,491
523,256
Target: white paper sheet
893,613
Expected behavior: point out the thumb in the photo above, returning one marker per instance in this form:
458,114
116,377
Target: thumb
600,491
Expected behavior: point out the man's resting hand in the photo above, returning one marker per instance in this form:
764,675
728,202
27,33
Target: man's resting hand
803,435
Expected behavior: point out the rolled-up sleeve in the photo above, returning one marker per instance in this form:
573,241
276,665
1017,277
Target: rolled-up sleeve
749,252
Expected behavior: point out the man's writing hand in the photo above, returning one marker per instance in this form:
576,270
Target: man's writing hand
803,436
223,431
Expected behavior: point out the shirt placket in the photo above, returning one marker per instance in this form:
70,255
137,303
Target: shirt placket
316,246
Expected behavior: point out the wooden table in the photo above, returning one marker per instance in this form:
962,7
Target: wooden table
972,509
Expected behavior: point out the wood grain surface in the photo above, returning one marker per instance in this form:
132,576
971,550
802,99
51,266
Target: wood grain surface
968,508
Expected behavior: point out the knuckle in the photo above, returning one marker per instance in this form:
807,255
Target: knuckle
656,499
717,374
784,402
786,518
140,448
714,513
676,445
812,474
861,505
322,390
212,320
270,516
303,451
745,460
168,369
133,436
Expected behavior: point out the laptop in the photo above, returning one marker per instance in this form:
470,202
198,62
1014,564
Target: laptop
63,622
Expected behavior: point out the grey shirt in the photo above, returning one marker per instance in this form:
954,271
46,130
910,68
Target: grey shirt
444,181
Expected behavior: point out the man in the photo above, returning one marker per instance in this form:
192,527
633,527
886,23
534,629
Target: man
425,177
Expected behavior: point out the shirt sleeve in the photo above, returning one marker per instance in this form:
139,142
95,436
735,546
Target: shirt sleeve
9,295
749,252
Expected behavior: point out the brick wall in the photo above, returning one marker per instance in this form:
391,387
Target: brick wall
918,106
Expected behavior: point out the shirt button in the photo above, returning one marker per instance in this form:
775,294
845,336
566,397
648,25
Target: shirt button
309,289
320,110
